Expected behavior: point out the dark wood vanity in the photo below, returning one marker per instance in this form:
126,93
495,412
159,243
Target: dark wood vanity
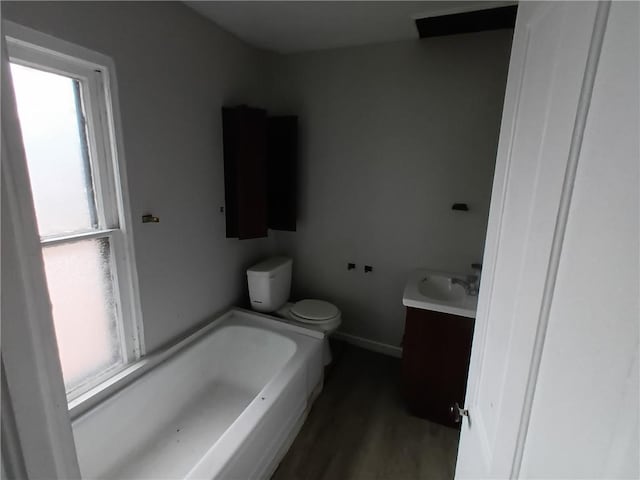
435,363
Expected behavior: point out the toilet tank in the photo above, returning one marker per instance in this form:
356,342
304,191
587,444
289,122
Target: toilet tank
269,283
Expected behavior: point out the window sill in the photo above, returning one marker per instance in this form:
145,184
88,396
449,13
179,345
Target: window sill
129,373
92,397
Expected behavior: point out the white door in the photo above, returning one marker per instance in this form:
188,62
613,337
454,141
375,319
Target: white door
552,390
584,415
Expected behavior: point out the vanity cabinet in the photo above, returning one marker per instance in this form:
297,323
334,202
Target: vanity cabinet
435,363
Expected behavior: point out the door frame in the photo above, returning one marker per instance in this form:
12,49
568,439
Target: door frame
42,437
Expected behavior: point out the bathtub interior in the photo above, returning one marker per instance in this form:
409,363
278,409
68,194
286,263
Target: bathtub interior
160,425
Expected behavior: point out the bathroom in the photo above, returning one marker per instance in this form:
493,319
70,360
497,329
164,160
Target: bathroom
393,131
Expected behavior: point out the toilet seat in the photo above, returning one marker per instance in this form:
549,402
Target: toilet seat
314,311
326,326
315,315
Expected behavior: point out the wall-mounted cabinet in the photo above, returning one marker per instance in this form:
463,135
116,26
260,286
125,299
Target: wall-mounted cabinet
260,157
282,159
245,171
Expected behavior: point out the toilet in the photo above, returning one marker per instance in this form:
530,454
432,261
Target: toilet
269,287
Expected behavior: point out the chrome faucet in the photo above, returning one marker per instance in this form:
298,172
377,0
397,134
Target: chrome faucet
471,284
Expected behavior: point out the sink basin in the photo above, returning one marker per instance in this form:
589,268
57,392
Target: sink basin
429,290
440,288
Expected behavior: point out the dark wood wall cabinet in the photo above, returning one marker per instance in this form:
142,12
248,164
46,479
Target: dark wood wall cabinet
435,363
260,157
282,172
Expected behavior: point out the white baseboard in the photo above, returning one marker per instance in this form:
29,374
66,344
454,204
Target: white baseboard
367,344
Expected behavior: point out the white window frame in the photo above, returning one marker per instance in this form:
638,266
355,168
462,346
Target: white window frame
96,73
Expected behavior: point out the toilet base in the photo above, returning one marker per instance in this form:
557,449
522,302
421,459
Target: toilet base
326,351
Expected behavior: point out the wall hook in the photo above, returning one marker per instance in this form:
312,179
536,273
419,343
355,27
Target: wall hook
148,218
460,206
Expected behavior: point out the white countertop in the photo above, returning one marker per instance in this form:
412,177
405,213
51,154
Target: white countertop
431,290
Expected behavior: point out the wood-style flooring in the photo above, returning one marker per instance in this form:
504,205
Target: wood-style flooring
359,428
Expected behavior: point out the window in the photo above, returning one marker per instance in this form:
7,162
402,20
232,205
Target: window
69,140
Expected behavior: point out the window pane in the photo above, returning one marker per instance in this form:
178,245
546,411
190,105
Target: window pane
50,112
84,313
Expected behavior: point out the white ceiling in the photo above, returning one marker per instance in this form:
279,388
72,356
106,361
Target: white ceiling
296,26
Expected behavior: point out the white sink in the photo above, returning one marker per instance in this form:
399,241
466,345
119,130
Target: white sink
429,290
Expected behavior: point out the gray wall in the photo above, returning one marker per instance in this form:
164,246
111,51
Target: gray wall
391,136
175,70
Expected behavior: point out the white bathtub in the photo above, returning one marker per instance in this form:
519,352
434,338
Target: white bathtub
225,404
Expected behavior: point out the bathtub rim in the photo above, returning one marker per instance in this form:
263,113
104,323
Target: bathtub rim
91,399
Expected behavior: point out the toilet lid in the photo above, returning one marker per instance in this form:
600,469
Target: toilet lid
314,310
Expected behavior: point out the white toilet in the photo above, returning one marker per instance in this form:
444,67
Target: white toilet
269,288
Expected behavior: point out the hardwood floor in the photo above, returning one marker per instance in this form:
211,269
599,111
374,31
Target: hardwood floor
359,428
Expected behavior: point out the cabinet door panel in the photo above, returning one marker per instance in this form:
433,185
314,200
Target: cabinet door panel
229,134
252,174
282,154
245,165
435,362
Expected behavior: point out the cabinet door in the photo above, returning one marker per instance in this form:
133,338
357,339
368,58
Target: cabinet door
435,362
245,165
282,155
